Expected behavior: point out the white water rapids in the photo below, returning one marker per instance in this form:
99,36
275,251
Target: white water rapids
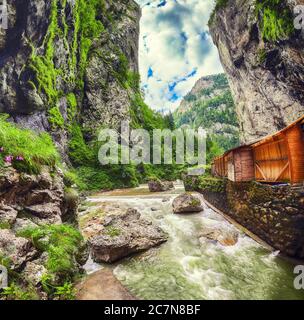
187,268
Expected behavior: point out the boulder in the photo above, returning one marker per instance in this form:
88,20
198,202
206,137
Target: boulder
8,215
187,203
226,237
33,272
18,250
23,223
156,185
123,235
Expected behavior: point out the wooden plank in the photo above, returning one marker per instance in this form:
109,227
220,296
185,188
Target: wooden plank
282,171
261,171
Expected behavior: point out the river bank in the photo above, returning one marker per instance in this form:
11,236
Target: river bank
188,266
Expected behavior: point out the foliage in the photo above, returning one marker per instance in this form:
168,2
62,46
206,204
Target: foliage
212,105
106,177
61,242
55,118
212,184
66,291
276,19
16,292
79,151
35,149
43,66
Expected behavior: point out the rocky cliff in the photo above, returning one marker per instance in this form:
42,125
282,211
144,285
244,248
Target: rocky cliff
210,105
69,63
263,57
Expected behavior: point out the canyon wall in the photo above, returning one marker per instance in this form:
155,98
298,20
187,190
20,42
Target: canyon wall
69,63
264,62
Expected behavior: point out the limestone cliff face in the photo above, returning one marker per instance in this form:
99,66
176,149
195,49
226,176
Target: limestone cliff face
66,61
266,77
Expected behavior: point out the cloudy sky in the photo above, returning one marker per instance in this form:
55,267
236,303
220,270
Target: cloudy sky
175,49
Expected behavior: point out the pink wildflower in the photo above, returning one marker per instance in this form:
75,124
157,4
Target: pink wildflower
1,149
8,159
19,158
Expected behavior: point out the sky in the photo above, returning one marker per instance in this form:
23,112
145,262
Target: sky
176,49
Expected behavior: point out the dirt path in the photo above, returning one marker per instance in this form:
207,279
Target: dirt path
102,285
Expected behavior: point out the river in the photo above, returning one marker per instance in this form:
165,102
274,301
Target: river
187,268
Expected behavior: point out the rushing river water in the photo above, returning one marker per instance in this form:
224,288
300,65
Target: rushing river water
187,268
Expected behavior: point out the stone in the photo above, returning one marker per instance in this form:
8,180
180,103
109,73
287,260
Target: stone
156,185
225,237
102,285
33,272
8,215
187,203
18,250
23,223
123,235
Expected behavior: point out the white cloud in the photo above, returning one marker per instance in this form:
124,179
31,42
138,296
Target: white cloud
174,43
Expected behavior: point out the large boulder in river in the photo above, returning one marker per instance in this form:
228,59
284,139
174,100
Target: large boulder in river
187,203
156,185
226,237
122,235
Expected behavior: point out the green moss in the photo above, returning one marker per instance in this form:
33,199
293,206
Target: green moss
43,66
89,26
113,232
4,225
211,184
56,119
276,20
79,152
258,193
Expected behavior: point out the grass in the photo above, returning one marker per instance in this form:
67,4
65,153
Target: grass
61,242
35,149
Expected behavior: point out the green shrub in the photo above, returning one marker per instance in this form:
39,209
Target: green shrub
66,292
35,149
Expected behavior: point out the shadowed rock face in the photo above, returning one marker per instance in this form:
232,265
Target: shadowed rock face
27,95
266,78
